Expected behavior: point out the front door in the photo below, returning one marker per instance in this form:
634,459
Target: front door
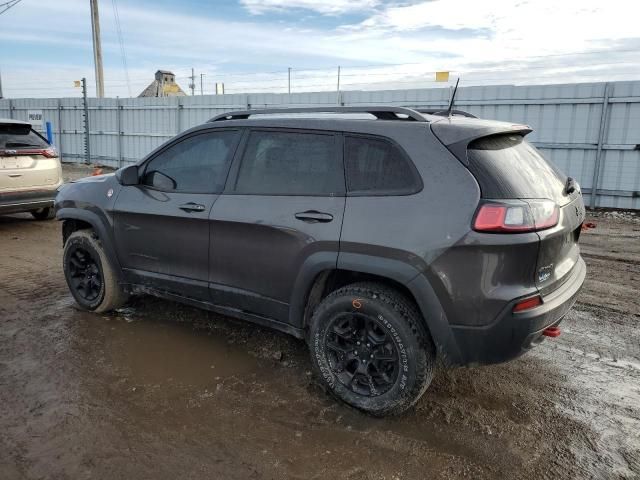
282,209
161,225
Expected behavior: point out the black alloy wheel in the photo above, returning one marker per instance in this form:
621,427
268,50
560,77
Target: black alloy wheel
85,276
361,354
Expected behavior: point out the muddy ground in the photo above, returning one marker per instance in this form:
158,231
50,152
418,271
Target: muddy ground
164,391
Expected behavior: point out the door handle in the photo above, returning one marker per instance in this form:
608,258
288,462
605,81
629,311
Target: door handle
313,216
192,207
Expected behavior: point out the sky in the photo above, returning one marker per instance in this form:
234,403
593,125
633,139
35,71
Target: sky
249,45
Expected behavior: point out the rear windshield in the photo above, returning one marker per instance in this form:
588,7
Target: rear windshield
507,166
16,136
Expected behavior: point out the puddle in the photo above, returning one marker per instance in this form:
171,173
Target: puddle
161,352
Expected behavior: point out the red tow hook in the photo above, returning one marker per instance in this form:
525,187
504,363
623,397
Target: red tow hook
551,332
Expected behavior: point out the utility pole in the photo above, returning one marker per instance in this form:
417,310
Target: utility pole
338,86
97,48
289,80
3,8
192,85
201,88
85,106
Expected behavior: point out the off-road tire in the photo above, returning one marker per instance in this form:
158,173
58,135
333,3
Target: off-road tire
400,320
46,213
111,295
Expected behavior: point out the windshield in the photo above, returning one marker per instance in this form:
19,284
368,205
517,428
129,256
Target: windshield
16,136
507,166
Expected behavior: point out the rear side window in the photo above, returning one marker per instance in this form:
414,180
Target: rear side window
15,136
290,163
507,166
197,164
378,166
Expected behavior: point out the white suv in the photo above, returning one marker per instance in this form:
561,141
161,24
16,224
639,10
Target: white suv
30,171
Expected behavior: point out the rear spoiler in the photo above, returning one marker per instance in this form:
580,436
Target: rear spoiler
457,133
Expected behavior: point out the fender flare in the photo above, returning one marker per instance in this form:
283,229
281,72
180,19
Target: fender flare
98,224
314,264
434,317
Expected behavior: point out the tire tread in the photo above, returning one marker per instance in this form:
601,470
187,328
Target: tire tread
114,295
409,312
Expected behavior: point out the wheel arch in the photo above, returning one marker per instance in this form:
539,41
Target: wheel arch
319,278
75,219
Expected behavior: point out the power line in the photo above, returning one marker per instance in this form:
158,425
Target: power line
575,69
376,75
116,15
7,5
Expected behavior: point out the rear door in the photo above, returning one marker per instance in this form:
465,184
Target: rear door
508,167
26,159
162,224
281,211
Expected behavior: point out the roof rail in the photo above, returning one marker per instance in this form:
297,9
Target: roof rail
380,112
441,112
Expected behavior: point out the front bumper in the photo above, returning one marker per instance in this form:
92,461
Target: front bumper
24,201
513,334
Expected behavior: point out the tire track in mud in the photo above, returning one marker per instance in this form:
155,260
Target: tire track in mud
158,390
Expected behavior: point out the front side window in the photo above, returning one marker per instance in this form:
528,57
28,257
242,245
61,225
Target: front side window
288,163
197,164
378,166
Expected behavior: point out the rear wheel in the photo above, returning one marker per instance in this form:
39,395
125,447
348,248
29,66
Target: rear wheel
46,213
370,350
90,276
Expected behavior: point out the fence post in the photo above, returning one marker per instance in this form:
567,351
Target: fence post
178,115
10,109
602,134
60,129
338,87
85,106
119,126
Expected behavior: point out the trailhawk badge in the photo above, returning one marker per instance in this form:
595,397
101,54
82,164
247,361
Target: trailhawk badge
545,272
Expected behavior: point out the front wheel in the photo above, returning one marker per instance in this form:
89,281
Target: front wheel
46,213
90,276
369,348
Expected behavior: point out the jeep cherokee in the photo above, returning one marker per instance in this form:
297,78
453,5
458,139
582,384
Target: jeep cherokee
384,236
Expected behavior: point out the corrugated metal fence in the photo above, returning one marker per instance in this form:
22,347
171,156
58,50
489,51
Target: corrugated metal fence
590,130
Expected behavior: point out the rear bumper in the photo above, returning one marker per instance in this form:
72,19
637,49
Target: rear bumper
513,334
24,201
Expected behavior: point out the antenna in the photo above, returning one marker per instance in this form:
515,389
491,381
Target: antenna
449,111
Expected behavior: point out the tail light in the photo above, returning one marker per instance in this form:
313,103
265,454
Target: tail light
527,304
529,216
50,152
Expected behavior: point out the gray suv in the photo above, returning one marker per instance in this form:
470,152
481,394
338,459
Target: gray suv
386,237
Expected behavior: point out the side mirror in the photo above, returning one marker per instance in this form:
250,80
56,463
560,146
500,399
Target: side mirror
128,175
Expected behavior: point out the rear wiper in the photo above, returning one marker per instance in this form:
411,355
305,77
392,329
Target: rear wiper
20,144
569,186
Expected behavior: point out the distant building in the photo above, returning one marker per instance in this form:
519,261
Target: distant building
163,86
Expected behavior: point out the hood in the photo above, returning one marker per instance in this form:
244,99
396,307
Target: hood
94,178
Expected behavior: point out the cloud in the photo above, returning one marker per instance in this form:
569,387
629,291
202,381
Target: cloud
325,7
533,25
497,41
